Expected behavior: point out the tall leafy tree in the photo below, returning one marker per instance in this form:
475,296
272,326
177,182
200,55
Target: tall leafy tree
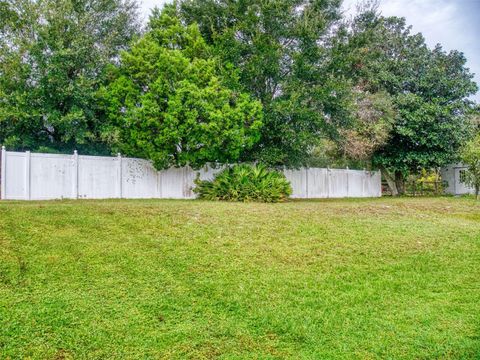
429,89
281,49
174,103
53,55
373,117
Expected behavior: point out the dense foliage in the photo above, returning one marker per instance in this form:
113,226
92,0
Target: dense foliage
470,156
370,128
285,83
428,88
53,54
174,103
281,49
245,183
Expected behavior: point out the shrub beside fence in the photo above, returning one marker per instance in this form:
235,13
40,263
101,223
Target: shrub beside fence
35,176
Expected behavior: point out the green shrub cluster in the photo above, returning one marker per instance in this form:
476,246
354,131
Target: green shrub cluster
245,183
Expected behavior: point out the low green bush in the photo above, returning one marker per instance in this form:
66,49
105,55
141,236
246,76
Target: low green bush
245,183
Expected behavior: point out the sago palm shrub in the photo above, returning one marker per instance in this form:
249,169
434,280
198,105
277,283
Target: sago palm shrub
245,183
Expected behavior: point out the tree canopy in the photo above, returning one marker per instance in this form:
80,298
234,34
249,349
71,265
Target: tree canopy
52,60
171,101
281,51
429,89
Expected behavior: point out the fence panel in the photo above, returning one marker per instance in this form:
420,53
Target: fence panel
373,184
337,183
299,182
189,176
14,179
317,183
51,176
172,183
98,177
140,180
356,183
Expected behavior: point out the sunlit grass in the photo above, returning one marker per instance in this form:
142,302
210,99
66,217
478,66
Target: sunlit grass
380,278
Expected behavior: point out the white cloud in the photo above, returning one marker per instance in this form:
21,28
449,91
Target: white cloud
147,5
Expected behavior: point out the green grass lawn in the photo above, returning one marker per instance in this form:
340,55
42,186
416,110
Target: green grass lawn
374,278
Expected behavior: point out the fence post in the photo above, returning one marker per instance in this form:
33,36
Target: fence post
27,175
120,190
3,175
75,175
160,182
306,183
365,178
328,182
346,173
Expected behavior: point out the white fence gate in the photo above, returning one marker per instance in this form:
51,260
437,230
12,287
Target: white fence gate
34,176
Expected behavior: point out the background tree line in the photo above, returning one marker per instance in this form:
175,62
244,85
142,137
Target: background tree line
282,82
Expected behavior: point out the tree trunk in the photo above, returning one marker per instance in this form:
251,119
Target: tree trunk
390,181
400,182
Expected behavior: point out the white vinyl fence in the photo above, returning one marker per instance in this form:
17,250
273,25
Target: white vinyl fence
33,176
453,175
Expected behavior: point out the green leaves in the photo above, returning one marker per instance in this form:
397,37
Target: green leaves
245,183
52,62
279,50
428,89
175,103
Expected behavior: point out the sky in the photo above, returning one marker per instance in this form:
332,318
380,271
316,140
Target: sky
455,24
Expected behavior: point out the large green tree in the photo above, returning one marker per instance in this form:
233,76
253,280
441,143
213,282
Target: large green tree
53,55
281,49
173,102
429,89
